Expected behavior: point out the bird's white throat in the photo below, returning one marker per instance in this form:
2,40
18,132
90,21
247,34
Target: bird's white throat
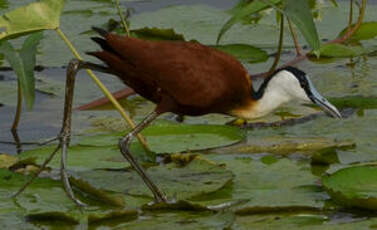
282,88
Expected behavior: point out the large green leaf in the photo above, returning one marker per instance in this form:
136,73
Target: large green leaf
367,30
81,157
270,184
167,137
300,14
41,15
28,54
197,178
23,63
242,11
354,186
341,51
244,52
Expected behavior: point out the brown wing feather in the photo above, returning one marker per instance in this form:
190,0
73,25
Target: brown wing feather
191,74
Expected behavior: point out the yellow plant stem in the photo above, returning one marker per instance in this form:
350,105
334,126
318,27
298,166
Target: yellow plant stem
103,88
122,19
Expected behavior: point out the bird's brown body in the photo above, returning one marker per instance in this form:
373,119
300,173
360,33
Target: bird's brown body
181,77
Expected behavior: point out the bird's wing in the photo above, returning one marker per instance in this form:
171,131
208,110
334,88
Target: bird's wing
190,73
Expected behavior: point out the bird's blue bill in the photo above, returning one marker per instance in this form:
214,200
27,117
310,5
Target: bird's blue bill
322,102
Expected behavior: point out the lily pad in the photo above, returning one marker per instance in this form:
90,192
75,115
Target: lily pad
167,137
44,195
181,220
359,102
284,184
81,157
197,178
353,187
287,145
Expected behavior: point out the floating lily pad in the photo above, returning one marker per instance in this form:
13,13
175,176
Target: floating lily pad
81,157
354,186
197,178
108,218
284,184
360,102
167,137
304,220
287,145
181,220
44,195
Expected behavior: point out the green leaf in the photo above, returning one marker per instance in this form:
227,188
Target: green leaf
157,34
197,178
166,137
25,82
334,3
41,15
241,11
244,52
279,185
81,157
341,51
299,13
357,102
354,186
23,63
367,30
28,53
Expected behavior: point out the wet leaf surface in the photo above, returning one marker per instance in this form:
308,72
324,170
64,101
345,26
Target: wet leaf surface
288,145
197,178
167,137
283,183
94,157
354,186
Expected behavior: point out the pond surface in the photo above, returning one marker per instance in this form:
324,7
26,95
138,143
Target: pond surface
274,178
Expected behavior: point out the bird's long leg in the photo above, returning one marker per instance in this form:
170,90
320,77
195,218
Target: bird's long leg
64,136
124,144
65,133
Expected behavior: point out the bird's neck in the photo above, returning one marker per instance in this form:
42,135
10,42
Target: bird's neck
270,95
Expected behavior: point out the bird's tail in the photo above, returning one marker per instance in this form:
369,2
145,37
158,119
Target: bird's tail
101,41
100,31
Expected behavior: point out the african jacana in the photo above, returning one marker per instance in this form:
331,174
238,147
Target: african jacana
188,78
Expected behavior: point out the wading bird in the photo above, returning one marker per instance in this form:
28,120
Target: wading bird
188,78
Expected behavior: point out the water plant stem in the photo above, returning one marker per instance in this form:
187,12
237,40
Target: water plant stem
104,89
294,37
280,47
122,19
17,116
